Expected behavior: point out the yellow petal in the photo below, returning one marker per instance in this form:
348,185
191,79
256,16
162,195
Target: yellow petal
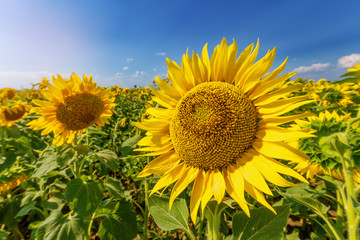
257,195
168,89
279,150
277,134
207,193
231,191
282,119
266,170
266,87
169,178
268,98
161,164
154,141
196,195
187,177
217,185
251,174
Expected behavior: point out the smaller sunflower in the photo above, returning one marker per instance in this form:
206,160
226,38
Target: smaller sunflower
323,160
9,115
72,106
7,93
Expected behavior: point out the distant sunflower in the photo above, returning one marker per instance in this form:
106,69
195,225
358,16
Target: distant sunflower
323,160
7,93
9,115
72,106
219,127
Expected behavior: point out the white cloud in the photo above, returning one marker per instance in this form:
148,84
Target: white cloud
129,59
348,61
19,80
154,69
313,68
125,68
161,53
138,74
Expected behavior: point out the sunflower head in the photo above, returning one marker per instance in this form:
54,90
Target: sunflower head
325,160
7,93
71,106
219,126
12,113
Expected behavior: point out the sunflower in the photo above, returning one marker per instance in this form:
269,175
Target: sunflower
7,93
219,127
11,114
72,106
323,160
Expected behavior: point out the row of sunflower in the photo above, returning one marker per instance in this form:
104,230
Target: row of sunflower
224,133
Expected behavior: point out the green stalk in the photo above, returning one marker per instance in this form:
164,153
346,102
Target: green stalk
3,150
340,208
90,226
350,193
352,221
213,224
146,209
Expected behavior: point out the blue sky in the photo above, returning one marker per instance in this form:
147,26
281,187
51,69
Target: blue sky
126,42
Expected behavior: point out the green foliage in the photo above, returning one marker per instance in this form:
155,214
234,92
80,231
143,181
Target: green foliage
262,224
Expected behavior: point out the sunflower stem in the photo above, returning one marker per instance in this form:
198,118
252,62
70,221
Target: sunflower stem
353,231
3,140
213,223
340,209
146,208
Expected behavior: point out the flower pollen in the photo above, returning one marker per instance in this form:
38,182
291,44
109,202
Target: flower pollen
212,125
80,111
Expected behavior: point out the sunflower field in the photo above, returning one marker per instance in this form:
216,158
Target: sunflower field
223,148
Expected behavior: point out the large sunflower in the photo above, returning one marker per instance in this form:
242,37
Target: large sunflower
11,114
219,127
72,106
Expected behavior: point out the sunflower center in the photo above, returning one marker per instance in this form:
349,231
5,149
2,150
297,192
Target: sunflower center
14,113
212,125
80,111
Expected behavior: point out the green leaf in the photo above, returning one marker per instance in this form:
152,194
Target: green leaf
167,220
316,206
129,144
8,213
59,227
4,234
120,224
311,203
83,197
27,208
262,224
114,187
66,155
45,164
7,160
108,158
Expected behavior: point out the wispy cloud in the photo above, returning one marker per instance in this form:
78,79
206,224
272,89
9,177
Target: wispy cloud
129,59
138,74
348,61
125,68
316,67
161,53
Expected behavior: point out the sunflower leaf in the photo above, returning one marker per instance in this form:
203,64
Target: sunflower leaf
119,224
176,218
83,197
4,234
57,226
108,158
45,164
263,224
